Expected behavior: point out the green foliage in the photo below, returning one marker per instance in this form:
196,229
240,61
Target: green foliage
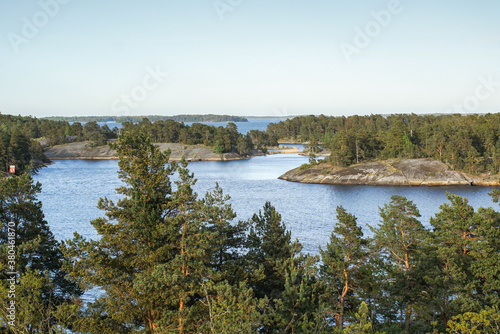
149,259
343,262
469,142
18,147
19,150
363,324
269,247
45,299
400,240
227,237
467,245
219,149
169,262
485,322
230,309
221,139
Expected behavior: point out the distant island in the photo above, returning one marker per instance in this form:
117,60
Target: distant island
152,118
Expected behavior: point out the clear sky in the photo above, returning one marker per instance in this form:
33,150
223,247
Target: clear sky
248,57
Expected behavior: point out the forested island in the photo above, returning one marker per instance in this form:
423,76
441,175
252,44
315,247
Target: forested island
464,143
467,143
152,118
393,172
24,139
169,261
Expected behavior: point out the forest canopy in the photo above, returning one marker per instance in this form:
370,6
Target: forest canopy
468,143
169,261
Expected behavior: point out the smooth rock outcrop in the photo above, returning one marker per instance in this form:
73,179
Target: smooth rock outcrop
395,172
80,150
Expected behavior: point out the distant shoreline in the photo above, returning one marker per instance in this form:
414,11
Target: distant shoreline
192,153
211,118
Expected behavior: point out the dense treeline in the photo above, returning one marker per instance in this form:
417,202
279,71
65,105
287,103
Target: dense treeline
152,118
222,139
466,142
56,132
18,148
170,262
18,145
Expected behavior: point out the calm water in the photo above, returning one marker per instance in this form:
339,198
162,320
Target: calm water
71,189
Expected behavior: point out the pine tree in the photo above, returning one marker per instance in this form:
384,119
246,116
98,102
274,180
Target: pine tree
400,240
231,308
44,297
363,324
299,309
343,261
150,255
467,244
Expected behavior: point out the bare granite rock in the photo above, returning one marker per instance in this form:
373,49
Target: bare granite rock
79,150
395,172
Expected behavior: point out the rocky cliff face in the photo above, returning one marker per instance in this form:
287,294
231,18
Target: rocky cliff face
396,172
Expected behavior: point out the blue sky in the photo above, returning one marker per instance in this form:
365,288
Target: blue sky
248,57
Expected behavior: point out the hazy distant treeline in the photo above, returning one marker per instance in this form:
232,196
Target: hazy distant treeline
152,118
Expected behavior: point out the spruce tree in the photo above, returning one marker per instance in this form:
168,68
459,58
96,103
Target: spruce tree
282,278
269,247
228,238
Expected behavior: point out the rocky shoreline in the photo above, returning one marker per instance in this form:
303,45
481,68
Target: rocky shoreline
80,150
394,172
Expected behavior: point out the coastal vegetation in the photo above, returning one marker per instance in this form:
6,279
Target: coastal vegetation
221,139
467,143
17,147
20,145
20,137
169,261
